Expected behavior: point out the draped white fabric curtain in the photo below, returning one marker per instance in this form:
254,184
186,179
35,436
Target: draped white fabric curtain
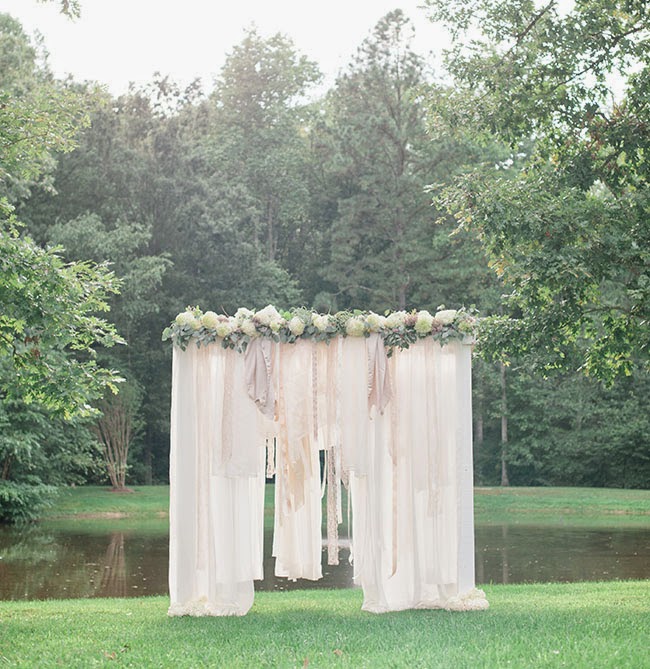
396,431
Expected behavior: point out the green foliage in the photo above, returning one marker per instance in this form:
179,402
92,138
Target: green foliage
22,502
258,144
125,247
38,115
246,194
48,328
567,429
566,227
49,373
377,159
533,69
17,57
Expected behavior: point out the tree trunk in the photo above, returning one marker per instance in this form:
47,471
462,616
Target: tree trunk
270,231
114,431
148,465
478,430
504,428
6,468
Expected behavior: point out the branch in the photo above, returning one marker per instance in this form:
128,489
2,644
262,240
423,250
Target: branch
520,36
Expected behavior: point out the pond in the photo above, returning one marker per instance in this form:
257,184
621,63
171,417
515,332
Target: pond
63,562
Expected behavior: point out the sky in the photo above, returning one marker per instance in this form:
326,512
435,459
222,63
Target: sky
117,42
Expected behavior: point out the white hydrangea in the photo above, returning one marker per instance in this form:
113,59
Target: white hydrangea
296,326
446,316
396,319
424,322
209,320
185,318
355,327
321,323
225,327
248,328
276,324
268,315
242,314
375,321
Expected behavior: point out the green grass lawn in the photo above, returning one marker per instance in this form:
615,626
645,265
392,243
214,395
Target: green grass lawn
545,625
575,506
540,625
566,506
101,502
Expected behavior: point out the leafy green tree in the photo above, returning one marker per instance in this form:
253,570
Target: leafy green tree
49,325
378,151
49,330
567,232
259,145
150,190
569,430
49,314
110,199
372,158
38,116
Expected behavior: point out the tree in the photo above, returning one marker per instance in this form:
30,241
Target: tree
372,160
48,333
374,139
49,325
38,116
115,429
258,143
565,224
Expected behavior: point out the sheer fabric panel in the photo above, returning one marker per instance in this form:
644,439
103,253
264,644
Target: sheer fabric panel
216,486
396,430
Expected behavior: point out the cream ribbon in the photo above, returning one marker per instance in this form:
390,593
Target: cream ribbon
257,374
379,387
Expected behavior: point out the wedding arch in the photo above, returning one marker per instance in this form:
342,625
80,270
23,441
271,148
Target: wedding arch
387,399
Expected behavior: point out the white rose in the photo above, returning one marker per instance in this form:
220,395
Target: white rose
209,320
395,320
355,327
424,322
248,328
375,321
297,326
446,316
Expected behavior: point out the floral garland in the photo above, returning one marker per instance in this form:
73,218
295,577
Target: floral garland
398,329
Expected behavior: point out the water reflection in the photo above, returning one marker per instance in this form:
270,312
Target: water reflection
40,563
521,554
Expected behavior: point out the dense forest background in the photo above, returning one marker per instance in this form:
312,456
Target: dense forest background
256,191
